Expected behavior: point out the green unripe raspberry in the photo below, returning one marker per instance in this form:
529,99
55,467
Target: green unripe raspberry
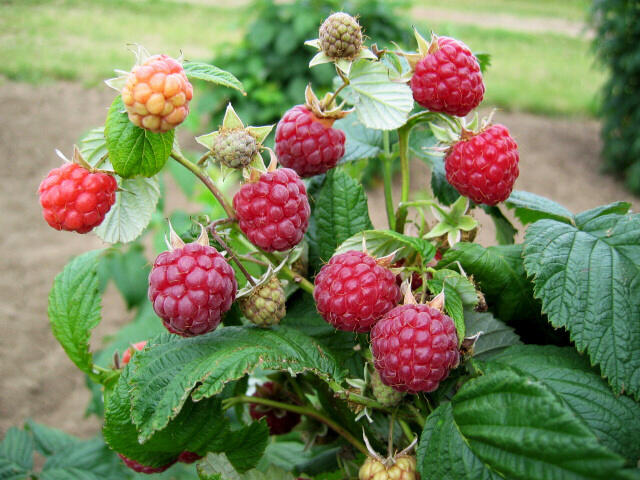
341,36
384,394
234,148
265,306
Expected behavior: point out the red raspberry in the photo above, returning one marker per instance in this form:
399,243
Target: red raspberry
484,167
448,80
414,348
75,199
274,211
308,144
190,288
352,291
189,457
138,467
157,94
279,421
126,356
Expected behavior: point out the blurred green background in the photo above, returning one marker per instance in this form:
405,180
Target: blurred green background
542,59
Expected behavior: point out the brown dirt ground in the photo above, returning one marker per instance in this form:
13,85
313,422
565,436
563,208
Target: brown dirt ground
559,159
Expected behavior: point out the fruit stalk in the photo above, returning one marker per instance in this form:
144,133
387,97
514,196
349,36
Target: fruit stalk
233,256
302,282
386,176
403,149
181,159
307,411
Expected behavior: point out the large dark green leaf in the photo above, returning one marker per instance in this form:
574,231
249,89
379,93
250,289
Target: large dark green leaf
129,270
530,207
588,278
339,211
615,420
74,307
495,336
519,428
175,369
133,150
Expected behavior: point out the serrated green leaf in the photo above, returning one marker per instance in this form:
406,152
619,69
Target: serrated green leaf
362,142
530,208
505,231
48,440
615,420
459,292
134,151
129,269
16,455
339,211
495,337
132,212
212,74
443,453
216,466
74,307
89,459
619,208
245,447
521,430
500,274
175,369
380,243
198,427
380,103
93,147
588,278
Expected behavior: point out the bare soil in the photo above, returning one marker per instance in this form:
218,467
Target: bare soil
559,159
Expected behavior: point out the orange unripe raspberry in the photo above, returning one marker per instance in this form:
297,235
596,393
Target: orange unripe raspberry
157,94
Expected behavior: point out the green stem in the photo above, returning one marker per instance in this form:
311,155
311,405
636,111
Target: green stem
306,411
302,282
204,178
356,398
387,177
345,82
417,415
392,422
406,429
233,256
403,147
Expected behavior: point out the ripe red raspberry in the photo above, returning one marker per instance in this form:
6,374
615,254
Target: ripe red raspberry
274,211
279,421
448,79
307,143
126,356
352,291
138,467
157,94
414,348
484,166
189,457
190,288
75,199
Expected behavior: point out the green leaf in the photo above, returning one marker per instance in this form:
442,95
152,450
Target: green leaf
499,272
48,440
134,151
495,337
383,242
198,427
218,467
213,74
380,103
459,292
588,278
443,453
530,208
129,270
90,459
521,430
615,420
362,142
74,307
505,231
619,208
339,211
132,212
442,189
175,369
245,447
93,147
16,455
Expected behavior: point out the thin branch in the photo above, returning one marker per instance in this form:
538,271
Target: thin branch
233,256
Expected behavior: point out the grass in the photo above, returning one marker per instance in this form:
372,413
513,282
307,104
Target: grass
84,41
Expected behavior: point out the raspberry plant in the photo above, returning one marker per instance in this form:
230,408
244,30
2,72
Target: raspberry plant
518,361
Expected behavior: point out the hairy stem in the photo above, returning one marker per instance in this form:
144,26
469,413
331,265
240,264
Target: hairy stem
386,175
403,146
306,411
345,82
304,284
233,256
204,178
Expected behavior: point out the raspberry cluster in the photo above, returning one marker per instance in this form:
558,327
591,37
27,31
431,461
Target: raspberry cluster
190,288
352,291
308,144
75,199
157,94
484,167
414,348
274,211
448,80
